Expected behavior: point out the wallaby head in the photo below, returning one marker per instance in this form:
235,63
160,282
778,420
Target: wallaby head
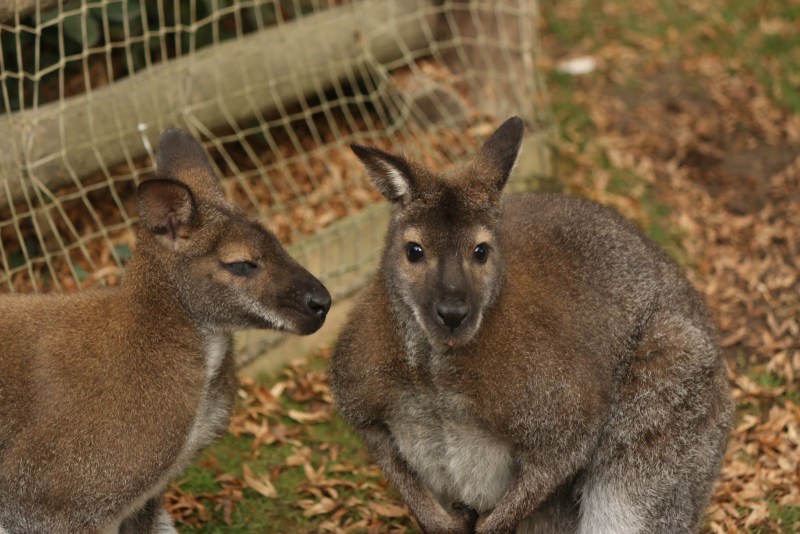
227,270
442,260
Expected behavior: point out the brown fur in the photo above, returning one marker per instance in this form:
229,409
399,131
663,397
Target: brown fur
586,374
105,395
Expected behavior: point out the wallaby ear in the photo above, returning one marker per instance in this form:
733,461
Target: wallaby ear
182,158
499,153
167,208
391,174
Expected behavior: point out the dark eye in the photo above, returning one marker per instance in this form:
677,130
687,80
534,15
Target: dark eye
241,268
481,253
414,252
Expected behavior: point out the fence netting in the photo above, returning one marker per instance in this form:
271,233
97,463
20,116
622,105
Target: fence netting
276,90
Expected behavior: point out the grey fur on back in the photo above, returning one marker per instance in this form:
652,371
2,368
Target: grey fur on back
593,387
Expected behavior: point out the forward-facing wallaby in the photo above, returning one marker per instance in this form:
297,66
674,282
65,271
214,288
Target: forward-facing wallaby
106,395
530,363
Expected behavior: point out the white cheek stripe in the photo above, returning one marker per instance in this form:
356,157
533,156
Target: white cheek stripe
268,315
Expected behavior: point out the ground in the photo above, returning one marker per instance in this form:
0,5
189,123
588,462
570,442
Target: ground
689,124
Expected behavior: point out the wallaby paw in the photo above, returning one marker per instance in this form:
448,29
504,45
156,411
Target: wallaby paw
468,514
462,521
484,526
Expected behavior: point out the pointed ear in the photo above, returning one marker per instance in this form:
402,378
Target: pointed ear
182,158
166,208
391,174
498,155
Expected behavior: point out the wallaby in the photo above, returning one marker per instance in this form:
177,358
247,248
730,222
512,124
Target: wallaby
529,363
105,395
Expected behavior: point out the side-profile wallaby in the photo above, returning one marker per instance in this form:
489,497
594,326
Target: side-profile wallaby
530,363
106,395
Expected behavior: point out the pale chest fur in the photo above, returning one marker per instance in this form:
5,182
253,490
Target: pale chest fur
211,419
212,414
451,451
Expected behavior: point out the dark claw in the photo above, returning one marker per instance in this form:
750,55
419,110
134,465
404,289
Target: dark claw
469,515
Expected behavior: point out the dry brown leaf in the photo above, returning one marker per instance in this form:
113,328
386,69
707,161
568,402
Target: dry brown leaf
388,510
324,506
298,457
262,485
320,416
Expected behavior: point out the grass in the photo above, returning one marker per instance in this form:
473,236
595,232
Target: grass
788,517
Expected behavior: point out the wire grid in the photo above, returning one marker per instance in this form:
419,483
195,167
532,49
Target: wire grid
275,89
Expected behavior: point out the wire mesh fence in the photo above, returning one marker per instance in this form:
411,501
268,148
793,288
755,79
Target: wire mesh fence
275,89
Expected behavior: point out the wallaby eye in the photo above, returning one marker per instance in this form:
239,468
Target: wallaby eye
240,268
481,253
414,252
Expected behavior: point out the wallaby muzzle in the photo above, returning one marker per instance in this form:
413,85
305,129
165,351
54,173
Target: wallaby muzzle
452,304
452,313
317,301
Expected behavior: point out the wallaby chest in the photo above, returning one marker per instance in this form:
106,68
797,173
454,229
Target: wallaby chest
211,417
457,456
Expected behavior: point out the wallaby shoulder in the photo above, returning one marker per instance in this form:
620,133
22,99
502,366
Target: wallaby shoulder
46,335
601,264
587,234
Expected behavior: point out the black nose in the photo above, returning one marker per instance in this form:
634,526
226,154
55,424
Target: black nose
452,314
319,302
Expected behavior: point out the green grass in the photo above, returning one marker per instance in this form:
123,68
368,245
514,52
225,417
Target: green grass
772,381
788,517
